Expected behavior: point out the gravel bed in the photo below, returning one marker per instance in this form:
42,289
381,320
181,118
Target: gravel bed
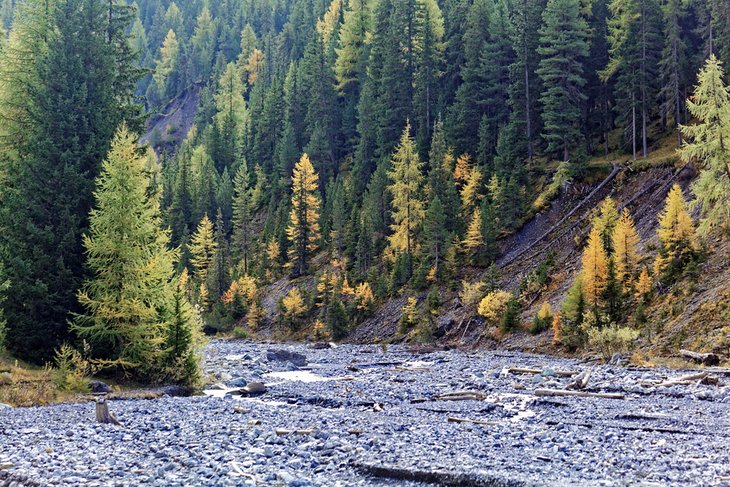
359,415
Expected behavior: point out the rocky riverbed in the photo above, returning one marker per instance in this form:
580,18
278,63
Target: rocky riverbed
361,415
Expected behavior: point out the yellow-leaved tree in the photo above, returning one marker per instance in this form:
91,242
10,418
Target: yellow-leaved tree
408,209
303,229
605,222
710,146
676,234
625,243
474,238
595,269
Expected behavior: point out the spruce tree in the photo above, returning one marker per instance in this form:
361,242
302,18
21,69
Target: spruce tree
434,233
57,118
243,235
563,50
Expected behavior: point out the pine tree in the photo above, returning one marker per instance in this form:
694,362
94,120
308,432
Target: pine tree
563,50
710,146
128,299
405,188
595,270
625,243
303,229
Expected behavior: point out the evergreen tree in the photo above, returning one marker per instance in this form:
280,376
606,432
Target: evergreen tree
524,89
218,280
243,236
710,146
673,65
303,229
563,50
128,300
57,118
405,188
634,56
434,233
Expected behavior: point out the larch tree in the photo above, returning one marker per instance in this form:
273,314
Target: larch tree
303,229
408,208
676,234
563,49
606,221
595,270
166,66
474,240
709,146
129,301
625,243
203,247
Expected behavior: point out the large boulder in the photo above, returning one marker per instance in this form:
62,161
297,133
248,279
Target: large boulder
280,355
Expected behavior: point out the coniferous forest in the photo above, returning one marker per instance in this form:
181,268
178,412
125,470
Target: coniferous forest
166,167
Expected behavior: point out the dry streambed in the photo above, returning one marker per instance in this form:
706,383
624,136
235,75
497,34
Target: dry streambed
358,415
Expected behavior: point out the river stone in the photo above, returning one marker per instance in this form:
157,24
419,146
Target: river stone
279,355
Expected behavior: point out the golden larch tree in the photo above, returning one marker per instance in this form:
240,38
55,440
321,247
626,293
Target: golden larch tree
202,248
625,243
303,230
676,233
595,268
408,209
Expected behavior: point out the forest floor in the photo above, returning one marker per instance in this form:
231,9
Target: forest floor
367,415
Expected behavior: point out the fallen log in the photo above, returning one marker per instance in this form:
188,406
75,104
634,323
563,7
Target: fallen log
462,396
102,412
691,379
581,380
453,419
523,370
701,358
558,392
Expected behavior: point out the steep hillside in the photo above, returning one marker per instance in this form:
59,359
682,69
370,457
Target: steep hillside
559,233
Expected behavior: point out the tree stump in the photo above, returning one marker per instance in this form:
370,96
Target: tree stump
102,413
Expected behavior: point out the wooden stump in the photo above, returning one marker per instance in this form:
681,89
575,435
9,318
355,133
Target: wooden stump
102,412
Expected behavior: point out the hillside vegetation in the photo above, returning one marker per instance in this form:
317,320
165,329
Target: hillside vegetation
464,171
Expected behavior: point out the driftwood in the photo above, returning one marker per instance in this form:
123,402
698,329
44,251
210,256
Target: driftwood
687,380
581,380
701,358
102,412
522,370
453,419
285,432
462,396
558,392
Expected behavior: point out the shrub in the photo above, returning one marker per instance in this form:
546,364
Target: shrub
240,332
612,339
493,305
72,369
542,319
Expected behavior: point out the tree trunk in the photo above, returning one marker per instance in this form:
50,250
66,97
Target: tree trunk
102,413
